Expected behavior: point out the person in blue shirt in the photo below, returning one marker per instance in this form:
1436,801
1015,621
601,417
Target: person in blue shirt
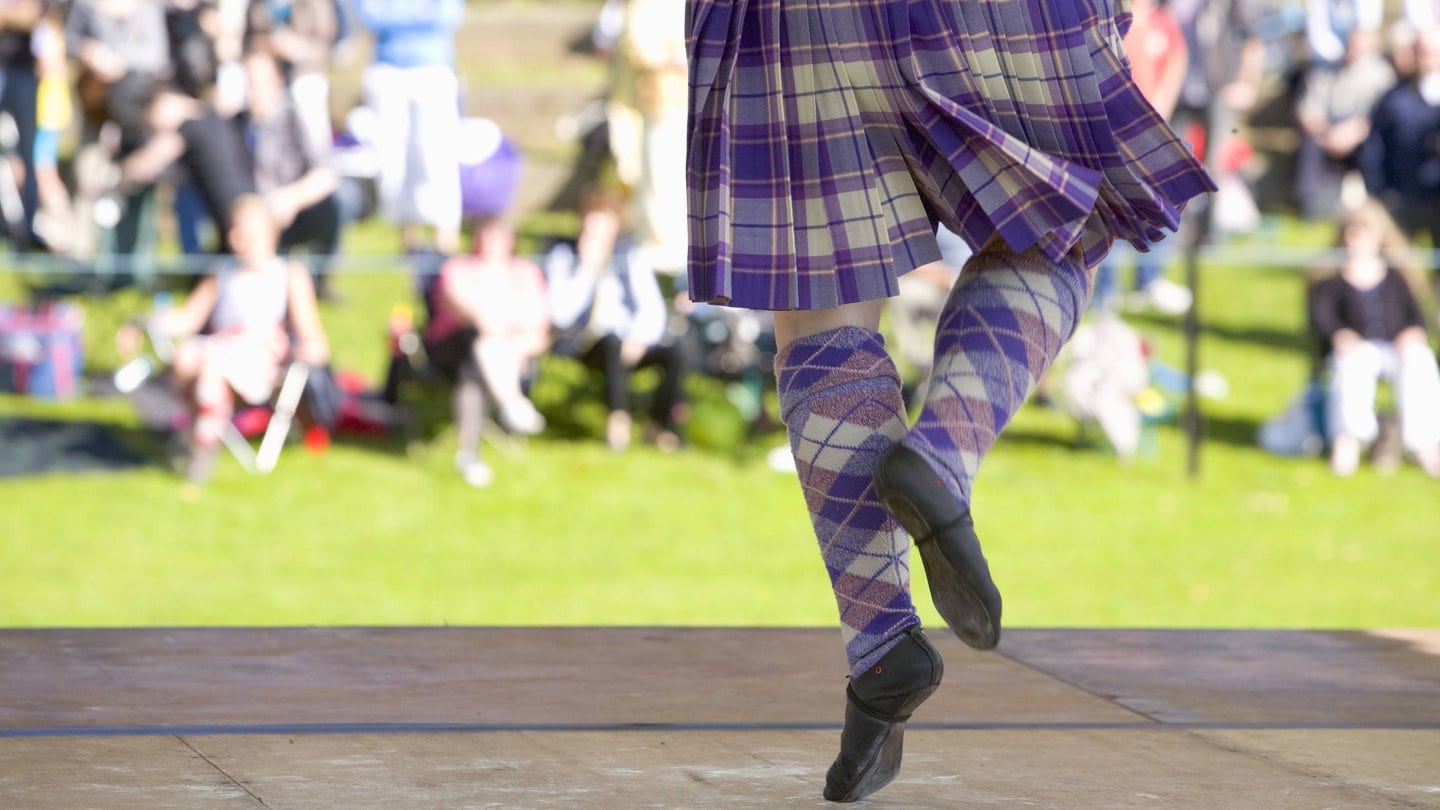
412,87
1400,159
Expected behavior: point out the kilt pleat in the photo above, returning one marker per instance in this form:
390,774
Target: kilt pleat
829,137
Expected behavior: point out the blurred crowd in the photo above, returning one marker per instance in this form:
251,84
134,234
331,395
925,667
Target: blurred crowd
1357,87
224,106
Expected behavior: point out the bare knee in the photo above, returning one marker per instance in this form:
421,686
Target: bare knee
792,325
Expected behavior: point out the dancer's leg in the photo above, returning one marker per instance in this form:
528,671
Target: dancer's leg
1001,329
840,401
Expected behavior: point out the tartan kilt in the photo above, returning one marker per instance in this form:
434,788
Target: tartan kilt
829,137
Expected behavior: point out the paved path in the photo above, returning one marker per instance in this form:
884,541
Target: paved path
693,718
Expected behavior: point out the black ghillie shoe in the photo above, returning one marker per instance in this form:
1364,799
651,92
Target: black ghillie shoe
876,707
959,577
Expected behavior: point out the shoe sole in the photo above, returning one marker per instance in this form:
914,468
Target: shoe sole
881,736
880,771
960,583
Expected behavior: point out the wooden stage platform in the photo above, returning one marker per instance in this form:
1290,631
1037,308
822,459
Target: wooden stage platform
700,717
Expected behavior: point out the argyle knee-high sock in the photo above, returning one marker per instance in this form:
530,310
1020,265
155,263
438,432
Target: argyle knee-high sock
841,404
1000,330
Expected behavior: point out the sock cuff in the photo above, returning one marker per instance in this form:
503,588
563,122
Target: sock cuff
836,358
1071,272
841,337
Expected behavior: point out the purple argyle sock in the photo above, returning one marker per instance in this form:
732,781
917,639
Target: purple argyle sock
1000,330
840,400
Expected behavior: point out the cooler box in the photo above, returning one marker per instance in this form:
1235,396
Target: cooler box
41,352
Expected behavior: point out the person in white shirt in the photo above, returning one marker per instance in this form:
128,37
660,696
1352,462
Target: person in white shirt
238,327
607,307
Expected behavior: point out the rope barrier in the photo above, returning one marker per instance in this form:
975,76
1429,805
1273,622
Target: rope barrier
1258,256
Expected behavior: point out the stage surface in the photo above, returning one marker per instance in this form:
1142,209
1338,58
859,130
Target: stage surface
707,717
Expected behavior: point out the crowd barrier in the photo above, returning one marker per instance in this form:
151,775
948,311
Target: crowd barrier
140,267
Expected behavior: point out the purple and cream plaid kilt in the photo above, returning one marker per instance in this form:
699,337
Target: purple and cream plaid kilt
828,137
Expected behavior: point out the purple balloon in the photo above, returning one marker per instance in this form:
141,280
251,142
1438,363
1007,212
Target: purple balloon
488,186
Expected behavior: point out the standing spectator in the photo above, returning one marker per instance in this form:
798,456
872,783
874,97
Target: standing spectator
1372,329
1421,15
292,170
1221,86
412,87
54,113
1329,24
189,24
113,39
300,34
651,88
1226,60
1400,159
18,85
228,29
1159,59
1333,112
122,49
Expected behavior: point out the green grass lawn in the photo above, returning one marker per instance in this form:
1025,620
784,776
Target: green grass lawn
573,534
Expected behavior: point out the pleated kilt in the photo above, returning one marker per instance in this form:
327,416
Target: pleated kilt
828,137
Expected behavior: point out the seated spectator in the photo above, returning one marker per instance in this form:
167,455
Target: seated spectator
182,130
238,327
1370,323
612,315
489,322
1104,373
263,151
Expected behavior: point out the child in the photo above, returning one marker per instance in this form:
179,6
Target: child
238,327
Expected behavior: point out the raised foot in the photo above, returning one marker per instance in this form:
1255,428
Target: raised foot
961,587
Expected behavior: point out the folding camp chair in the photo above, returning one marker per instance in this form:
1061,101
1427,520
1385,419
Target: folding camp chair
282,416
